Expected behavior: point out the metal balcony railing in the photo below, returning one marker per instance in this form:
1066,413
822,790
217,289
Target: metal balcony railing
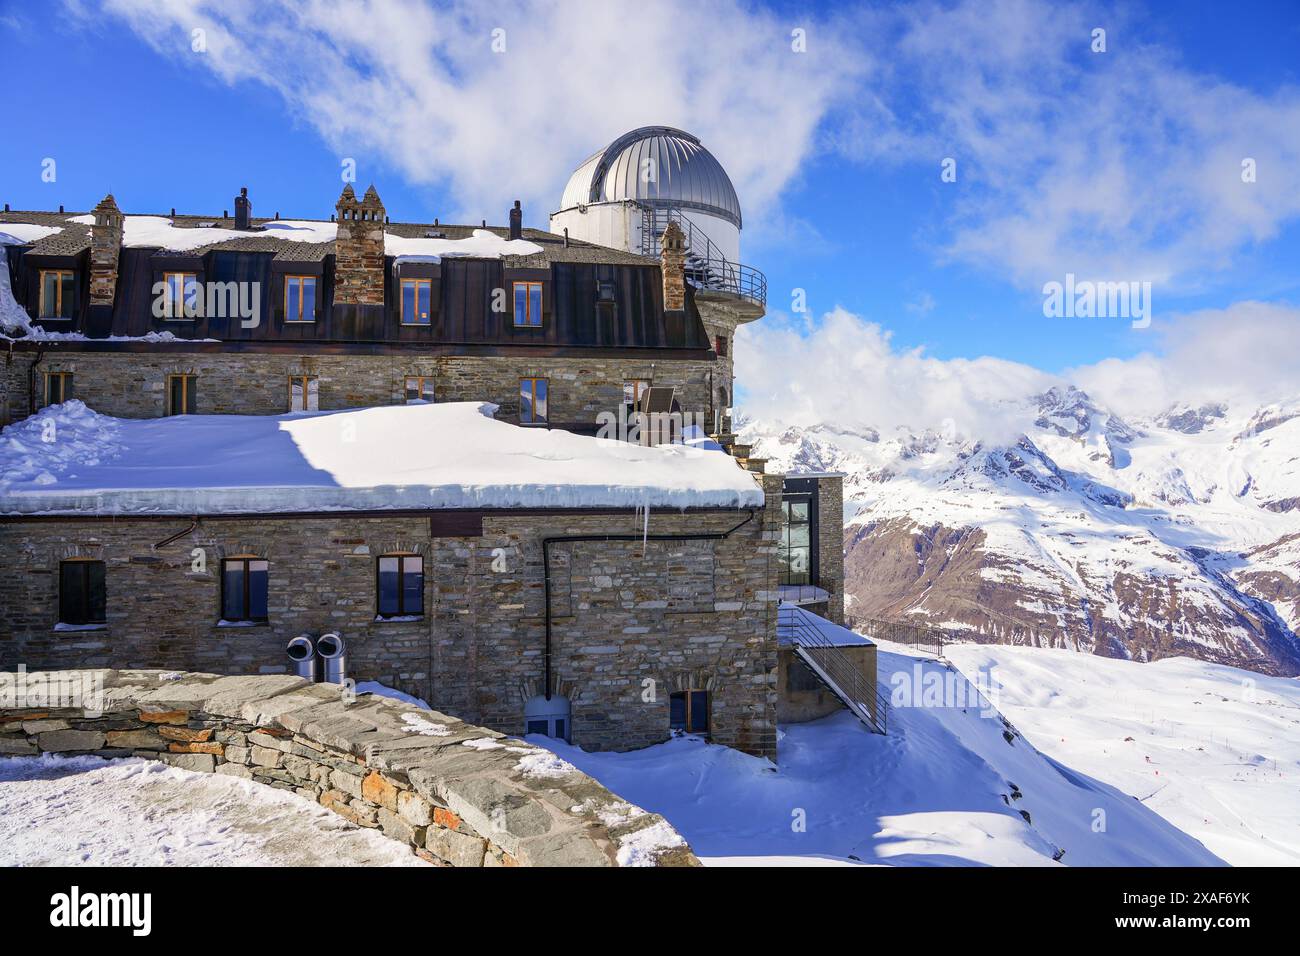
706,266
919,636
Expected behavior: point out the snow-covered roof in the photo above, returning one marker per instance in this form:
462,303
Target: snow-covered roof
794,625
49,233
68,459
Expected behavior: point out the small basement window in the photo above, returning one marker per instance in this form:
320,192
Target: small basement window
244,590
400,585
300,298
82,598
417,388
550,718
688,711
532,401
304,393
180,296
58,387
180,394
58,293
417,294
528,304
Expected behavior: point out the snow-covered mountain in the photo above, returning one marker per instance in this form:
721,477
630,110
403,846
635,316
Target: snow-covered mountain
1143,539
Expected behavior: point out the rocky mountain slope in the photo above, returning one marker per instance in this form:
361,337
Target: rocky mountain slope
1178,535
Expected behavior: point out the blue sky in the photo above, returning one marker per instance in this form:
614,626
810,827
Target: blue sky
1119,165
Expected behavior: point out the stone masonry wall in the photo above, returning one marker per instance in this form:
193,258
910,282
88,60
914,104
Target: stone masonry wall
676,614
830,543
456,794
134,384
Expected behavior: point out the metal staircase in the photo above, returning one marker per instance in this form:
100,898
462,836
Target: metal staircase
831,665
706,267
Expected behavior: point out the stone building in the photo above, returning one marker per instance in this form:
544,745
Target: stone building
609,623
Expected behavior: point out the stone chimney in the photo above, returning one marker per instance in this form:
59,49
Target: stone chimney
105,245
516,222
243,209
672,262
359,249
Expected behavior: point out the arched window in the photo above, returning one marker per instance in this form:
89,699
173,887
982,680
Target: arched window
551,718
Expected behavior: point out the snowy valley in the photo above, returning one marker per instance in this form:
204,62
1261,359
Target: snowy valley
1142,539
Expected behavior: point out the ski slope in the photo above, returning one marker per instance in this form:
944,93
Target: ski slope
946,787
1213,749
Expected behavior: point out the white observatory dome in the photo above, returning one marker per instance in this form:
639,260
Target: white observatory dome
624,196
656,166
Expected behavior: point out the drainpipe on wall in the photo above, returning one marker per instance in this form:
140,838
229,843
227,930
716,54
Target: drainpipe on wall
31,381
194,523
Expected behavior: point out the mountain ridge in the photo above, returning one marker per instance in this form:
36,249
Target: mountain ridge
1137,538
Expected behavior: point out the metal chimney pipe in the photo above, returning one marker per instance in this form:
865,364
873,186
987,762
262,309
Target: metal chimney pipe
333,651
243,209
302,651
516,222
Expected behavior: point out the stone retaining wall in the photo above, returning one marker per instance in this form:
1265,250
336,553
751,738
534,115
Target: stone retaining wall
457,794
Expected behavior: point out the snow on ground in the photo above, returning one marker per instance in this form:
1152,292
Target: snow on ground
67,458
85,811
1214,750
944,788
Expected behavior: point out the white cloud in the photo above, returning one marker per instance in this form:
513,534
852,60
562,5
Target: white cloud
1122,165
1244,355
847,371
422,87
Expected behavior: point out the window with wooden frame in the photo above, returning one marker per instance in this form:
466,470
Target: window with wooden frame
606,307
417,296
688,711
417,388
633,390
720,346
58,293
82,598
528,304
304,393
300,298
180,296
58,387
533,401
244,589
180,394
399,586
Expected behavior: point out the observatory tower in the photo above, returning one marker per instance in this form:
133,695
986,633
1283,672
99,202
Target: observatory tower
624,197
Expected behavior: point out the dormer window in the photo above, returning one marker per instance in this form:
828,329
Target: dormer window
417,295
58,293
606,306
180,295
300,298
528,304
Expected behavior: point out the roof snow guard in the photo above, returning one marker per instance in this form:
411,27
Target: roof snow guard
685,175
